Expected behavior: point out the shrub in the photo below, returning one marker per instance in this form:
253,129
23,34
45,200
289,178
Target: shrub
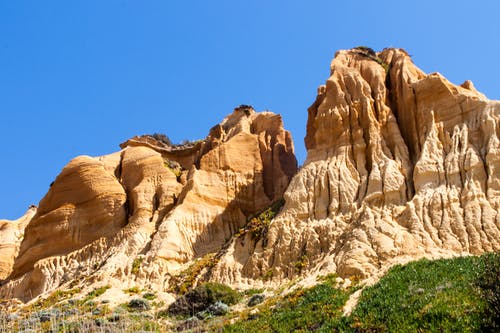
138,304
370,53
54,298
253,291
302,263
489,288
162,138
184,281
315,309
149,296
201,297
136,264
256,299
258,224
367,50
174,167
132,290
97,292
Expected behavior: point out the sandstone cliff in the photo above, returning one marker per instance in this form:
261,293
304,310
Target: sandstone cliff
168,204
400,165
11,235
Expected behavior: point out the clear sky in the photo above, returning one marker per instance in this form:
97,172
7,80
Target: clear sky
80,77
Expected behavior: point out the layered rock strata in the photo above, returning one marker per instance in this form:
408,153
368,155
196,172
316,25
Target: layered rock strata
102,217
400,164
11,235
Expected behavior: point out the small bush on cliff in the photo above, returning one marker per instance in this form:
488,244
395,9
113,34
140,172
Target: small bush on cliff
184,281
201,297
54,298
162,138
367,50
97,292
132,290
258,224
136,264
370,53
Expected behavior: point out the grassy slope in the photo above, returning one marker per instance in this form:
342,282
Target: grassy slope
423,296
453,295
302,310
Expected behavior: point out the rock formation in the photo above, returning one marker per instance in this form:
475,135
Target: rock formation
167,204
400,165
11,235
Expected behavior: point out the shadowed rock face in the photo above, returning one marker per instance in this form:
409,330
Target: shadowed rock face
166,204
400,165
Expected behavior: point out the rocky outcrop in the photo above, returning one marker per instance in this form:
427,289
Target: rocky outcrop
84,203
400,165
102,216
11,235
245,165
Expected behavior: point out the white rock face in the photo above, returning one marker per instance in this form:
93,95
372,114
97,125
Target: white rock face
400,165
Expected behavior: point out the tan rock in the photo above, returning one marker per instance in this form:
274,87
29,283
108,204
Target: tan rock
400,164
84,203
137,215
247,165
11,235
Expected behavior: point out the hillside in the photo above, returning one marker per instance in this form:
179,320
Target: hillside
401,165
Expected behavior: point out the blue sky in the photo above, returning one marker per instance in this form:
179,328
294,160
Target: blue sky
80,77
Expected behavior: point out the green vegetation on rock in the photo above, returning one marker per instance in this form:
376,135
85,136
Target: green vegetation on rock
184,281
447,295
201,297
136,264
258,224
316,309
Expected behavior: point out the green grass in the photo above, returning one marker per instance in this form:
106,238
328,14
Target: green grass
315,309
452,295
427,296
97,292
183,282
448,295
253,291
258,224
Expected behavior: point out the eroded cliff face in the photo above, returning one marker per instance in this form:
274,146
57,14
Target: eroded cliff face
11,235
400,165
150,203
